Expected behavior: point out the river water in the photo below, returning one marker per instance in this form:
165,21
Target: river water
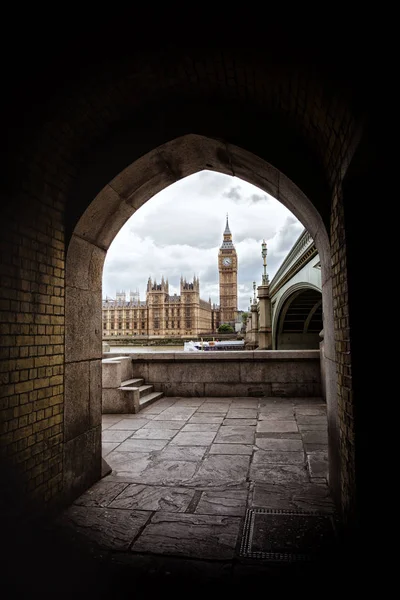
146,349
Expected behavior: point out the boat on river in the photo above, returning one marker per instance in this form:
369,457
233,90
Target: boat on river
200,346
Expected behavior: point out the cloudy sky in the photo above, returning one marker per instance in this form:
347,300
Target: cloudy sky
179,232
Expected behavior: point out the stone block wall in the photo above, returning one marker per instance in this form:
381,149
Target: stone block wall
247,374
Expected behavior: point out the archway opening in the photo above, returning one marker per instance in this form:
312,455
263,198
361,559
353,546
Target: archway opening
300,322
89,242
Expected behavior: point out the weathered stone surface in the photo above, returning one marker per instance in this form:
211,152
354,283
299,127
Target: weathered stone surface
222,502
130,464
222,470
83,312
312,427
190,427
244,403
242,413
82,462
77,399
276,415
173,413
164,425
95,392
107,447
277,426
169,472
231,449
115,435
303,496
309,411
213,407
129,424
262,457
200,536
154,434
239,422
191,402
315,437
278,473
144,497
311,420
110,529
318,464
101,494
139,445
235,435
184,453
206,418
195,438
279,445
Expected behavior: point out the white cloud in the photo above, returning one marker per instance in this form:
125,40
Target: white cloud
179,232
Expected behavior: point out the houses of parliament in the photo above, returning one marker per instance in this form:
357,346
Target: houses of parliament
184,315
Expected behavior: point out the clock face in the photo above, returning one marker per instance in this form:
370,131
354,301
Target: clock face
226,261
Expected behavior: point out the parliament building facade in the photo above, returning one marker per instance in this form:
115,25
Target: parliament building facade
184,315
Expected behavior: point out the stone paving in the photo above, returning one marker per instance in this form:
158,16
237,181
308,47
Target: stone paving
184,473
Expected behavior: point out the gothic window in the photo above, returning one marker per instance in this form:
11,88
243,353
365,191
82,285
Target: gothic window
142,324
135,325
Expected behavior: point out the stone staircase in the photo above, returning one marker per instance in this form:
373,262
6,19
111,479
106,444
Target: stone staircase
122,393
142,395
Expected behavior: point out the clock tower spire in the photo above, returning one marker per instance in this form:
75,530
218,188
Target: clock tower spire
227,267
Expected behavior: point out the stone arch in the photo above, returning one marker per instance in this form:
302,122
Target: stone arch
283,303
88,244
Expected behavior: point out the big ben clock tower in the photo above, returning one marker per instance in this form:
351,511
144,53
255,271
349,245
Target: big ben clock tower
227,267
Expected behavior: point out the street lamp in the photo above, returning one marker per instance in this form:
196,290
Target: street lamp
265,280
254,293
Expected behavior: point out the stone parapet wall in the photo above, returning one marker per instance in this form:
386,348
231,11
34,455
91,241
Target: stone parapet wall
245,373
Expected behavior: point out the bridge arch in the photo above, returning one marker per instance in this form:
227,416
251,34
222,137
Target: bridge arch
311,315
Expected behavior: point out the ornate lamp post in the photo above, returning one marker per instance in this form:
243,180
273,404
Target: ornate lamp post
254,293
265,280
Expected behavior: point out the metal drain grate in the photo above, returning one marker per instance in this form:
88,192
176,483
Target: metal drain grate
287,535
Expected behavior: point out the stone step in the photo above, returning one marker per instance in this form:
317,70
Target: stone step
149,399
132,382
144,390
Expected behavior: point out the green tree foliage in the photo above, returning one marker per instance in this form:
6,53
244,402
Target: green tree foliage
225,328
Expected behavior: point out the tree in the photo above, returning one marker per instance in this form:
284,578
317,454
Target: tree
225,328
245,316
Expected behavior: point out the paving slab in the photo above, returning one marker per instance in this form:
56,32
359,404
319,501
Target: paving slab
277,426
235,435
101,493
303,496
198,536
315,437
131,464
218,470
262,457
317,464
154,434
241,413
139,445
279,445
186,453
222,502
169,472
244,403
276,415
246,449
110,529
129,424
278,473
190,427
115,435
146,497
194,438
175,414
164,425
239,422
209,407
107,447
206,418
